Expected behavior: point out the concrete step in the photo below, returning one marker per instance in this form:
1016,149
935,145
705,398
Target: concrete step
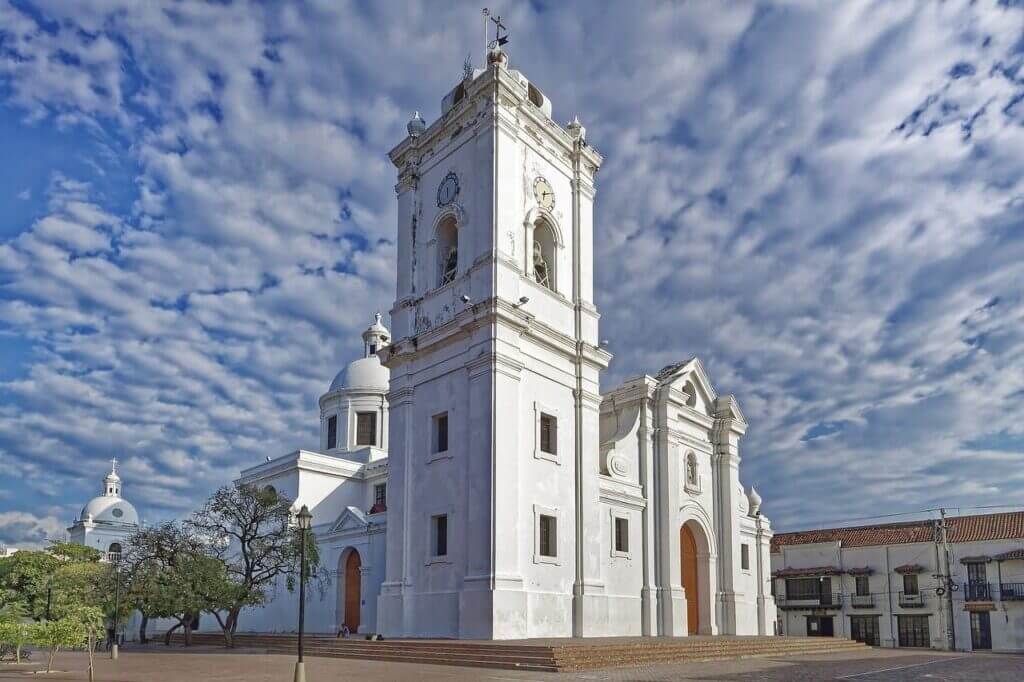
548,656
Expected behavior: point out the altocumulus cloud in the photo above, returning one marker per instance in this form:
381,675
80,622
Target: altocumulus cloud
823,202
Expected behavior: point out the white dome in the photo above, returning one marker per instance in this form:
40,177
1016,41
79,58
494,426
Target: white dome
363,373
110,509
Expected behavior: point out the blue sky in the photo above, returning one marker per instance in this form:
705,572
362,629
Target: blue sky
824,201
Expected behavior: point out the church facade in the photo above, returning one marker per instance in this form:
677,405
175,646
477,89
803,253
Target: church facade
472,480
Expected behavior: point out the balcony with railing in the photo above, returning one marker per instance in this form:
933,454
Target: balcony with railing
1011,591
978,592
862,601
828,600
911,600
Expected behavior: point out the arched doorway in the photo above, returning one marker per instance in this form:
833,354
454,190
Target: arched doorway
351,579
688,561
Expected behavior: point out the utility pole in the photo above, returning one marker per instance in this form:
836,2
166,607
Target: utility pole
950,585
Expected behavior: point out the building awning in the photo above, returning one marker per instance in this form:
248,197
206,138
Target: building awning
806,572
909,568
980,559
864,570
1012,555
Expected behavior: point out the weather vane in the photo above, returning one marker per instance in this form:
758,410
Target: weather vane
500,32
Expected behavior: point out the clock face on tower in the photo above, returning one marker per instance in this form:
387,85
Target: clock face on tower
544,194
448,189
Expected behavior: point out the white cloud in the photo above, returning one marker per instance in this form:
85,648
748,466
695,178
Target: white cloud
806,195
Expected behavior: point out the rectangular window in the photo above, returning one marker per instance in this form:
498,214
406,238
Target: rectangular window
745,557
913,631
976,573
332,432
440,533
548,541
909,584
366,428
548,434
621,535
804,588
380,494
862,586
441,432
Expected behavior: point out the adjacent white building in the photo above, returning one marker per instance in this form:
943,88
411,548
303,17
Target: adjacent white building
889,585
472,480
107,521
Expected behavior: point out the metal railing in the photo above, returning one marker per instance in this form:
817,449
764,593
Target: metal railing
826,599
977,592
911,599
862,601
114,557
1011,591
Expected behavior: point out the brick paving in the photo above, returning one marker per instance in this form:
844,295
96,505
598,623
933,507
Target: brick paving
159,664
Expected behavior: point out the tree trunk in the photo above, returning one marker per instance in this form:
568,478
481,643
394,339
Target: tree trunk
188,629
17,654
142,629
92,672
167,636
49,661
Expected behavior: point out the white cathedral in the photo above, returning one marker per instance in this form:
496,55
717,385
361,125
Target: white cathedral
472,481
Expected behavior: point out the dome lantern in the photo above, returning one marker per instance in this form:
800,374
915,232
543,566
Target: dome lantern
375,337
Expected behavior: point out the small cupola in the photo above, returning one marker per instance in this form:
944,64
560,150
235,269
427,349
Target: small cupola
375,337
112,483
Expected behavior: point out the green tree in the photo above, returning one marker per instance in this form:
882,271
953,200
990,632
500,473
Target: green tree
54,634
172,576
250,531
15,634
25,577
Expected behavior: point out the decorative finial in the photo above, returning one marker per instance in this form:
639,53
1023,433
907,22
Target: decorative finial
376,317
576,128
113,465
416,126
467,68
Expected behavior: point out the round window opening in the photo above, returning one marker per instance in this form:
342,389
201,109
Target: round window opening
117,513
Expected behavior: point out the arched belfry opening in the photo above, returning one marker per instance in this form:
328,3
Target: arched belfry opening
542,259
447,250
350,582
695,565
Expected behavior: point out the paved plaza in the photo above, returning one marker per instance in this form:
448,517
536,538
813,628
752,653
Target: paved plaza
158,664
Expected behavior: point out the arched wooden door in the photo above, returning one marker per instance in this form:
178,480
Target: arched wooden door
688,559
353,584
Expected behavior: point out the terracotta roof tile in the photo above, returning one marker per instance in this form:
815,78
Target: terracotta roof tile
1003,526
794,572
1012,555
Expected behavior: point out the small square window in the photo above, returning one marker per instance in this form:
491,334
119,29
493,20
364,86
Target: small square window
332,432
380,494
439,531
548,536
366,428
621,535
441,432
548,434
745,557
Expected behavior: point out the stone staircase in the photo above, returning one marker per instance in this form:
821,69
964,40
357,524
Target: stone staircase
551,655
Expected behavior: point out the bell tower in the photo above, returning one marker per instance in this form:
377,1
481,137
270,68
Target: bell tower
495,365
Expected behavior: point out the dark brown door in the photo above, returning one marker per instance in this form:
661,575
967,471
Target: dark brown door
353,581
688,556
981,630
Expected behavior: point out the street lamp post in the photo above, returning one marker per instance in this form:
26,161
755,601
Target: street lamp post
305,520
117,605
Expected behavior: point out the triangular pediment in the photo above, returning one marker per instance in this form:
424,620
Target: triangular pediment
690,372
351,518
